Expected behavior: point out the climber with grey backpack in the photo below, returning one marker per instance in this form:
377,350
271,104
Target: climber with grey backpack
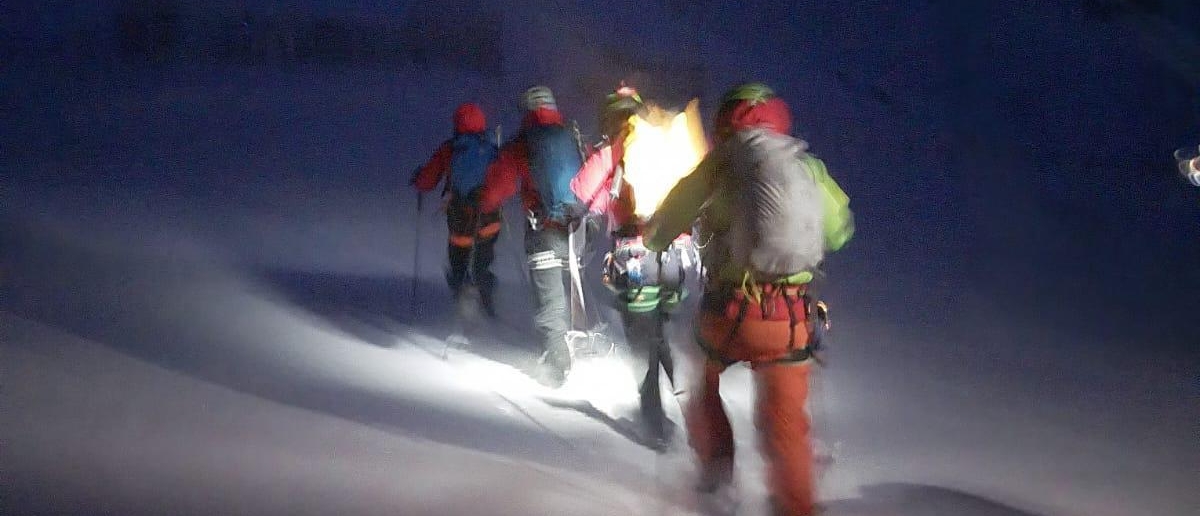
769,212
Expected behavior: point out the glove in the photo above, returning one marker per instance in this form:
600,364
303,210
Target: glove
412,178
593,229
594,225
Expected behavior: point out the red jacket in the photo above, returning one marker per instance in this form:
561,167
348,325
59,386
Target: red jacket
593,185
510,171
594,182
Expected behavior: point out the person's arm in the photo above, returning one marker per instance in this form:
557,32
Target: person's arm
682,206
500,182
432,172
591,185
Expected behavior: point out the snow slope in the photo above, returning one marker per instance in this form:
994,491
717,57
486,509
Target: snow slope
207,394
93,431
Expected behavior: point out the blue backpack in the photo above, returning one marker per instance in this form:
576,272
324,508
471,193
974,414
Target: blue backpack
553,161
472,153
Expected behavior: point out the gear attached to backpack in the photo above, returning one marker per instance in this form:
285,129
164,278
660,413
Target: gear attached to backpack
645,280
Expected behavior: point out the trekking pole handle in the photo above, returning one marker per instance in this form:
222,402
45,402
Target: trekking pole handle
617,182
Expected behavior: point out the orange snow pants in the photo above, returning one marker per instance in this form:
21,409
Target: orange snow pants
781,415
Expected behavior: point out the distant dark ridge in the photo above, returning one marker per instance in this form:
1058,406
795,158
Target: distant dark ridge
462,33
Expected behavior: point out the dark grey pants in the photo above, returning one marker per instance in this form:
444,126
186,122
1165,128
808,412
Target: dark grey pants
464,270
548,252
645,316
645,334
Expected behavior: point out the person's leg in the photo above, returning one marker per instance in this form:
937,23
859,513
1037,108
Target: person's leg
456,275
485,281
459,248
546,252
671,281
709,432
664,350
643,332
784,428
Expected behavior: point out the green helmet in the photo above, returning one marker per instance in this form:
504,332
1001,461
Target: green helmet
755,92
624,97
751,92
618,107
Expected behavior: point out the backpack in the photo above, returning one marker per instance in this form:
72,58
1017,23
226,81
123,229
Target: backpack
786,209
554,159
471,154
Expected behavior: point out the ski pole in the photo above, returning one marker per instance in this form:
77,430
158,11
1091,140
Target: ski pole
416,245
578,140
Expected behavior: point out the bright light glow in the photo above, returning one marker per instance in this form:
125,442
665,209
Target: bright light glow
606,382
1188,159
661,149
487,375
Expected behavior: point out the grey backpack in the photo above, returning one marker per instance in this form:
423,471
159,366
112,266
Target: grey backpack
777,212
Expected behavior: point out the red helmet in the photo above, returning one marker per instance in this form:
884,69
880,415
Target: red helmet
468,118
752,105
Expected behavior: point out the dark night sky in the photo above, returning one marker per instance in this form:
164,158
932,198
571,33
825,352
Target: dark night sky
1015,150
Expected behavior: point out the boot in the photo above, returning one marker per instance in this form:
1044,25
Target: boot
552,370
486,301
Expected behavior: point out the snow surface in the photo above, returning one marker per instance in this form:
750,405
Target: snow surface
206,274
